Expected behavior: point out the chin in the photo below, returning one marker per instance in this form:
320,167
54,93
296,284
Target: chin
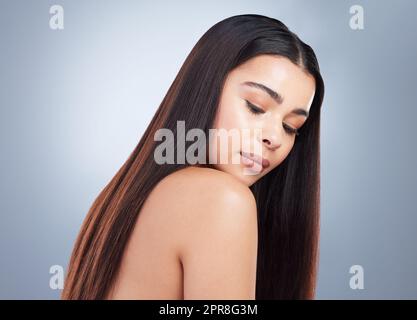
238,171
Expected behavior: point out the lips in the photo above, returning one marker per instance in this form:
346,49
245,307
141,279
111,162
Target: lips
253,158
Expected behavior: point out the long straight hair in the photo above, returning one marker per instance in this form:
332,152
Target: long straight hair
287,197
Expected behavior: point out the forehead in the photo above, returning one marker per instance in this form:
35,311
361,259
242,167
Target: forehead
281,75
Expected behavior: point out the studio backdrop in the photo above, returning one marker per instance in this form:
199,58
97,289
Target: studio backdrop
81,80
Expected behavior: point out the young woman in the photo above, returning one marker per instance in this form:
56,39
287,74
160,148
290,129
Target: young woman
211,230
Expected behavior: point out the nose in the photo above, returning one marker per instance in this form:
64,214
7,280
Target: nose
271,141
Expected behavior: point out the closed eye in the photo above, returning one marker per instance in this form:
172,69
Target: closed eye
290,130
254,109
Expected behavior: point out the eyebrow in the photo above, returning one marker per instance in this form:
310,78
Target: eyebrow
275,96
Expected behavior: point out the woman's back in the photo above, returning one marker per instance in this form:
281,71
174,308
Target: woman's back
195,238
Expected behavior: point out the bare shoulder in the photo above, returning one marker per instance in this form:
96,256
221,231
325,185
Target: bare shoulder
205,185
203,194
197,195
214,219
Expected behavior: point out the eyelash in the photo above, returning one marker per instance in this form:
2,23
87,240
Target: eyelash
256,110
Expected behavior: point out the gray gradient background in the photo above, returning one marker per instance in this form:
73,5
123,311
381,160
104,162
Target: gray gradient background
74,103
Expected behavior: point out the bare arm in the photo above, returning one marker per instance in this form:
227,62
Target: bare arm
218,246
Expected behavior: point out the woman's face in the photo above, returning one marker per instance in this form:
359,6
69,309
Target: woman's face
265,100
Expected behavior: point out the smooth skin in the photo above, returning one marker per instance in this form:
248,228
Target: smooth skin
196,236
274,119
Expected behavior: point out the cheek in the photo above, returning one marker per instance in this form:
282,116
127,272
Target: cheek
231,114
282,154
